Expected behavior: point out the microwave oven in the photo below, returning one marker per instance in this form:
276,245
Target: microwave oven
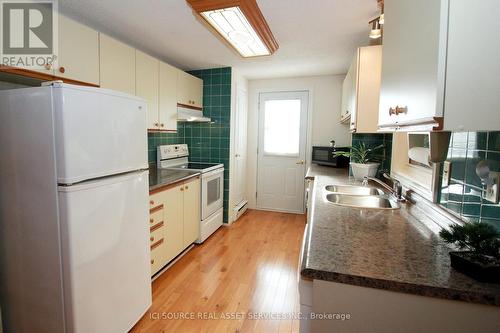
322,155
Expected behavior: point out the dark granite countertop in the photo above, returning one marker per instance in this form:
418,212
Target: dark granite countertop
159,178
397,250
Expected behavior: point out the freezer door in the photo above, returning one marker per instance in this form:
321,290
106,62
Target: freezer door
105,253
99,132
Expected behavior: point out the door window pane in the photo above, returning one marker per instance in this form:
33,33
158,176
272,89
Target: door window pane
282,127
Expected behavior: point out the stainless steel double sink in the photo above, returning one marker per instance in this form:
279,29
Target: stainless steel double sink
359,197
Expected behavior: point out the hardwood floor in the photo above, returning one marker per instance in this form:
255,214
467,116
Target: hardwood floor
243,271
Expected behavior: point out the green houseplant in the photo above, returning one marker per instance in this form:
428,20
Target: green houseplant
480,245
364,161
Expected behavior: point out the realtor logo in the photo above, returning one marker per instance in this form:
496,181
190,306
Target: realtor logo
29,34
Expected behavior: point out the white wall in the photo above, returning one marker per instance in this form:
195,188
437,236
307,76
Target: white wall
325,94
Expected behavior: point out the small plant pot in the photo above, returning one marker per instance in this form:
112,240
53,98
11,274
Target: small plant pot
360,171
487,271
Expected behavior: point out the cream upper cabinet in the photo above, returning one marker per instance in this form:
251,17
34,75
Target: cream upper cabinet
189,89
117,64
349,91
147,85
168,97
438,68
78,52
191,211
361,89
473,70
413,64
365,113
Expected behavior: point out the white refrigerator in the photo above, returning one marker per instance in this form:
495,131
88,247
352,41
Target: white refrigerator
74,249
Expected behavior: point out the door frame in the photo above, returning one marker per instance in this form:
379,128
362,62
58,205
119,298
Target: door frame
308,138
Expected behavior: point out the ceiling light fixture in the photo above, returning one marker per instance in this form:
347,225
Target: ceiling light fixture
240,23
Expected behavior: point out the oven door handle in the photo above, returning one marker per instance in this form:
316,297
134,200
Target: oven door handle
213,173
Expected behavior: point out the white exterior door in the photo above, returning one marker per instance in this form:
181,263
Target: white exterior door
282,149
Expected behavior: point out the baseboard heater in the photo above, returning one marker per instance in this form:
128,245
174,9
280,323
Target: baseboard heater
240,209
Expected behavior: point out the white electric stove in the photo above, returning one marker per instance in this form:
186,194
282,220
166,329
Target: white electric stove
176,157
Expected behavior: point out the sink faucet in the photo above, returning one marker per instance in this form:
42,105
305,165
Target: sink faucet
396,190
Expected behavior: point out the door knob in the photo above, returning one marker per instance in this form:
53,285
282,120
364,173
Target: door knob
300,162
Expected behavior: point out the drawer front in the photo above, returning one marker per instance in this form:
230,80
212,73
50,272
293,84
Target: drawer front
157,259
155,201
155,218
157,232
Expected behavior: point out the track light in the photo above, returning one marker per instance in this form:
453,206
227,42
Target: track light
375,32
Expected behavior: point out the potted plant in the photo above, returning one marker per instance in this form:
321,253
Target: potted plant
481,260
364,161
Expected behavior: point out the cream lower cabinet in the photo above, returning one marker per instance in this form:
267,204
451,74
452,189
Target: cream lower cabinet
174,221
78,52
191,212
189,90
117,65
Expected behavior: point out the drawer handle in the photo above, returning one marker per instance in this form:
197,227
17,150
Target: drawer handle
162,125
62,69
158,243
151,221
182,188
187,187
152,261
151,202
156,226
155,209
151,239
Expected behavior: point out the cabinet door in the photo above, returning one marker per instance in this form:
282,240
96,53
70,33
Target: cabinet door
117,65
78,52
413,60
473,68
349,91
368,92
173,200
168,97
196,91
147,76
191,212
190,89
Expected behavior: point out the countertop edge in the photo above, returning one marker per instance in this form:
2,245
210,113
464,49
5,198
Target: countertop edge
160,186
401,287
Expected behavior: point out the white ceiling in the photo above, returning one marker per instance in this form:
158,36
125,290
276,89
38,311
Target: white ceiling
316,37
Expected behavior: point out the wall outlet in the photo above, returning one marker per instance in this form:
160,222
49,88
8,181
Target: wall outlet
446,173
492,190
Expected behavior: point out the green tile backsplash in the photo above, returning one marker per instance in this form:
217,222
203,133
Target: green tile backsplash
463,194
207,142
374,139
